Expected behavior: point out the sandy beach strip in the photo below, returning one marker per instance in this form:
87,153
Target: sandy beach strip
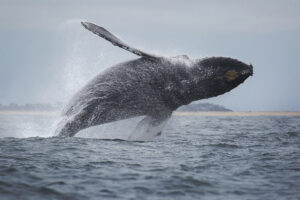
215,113
260,113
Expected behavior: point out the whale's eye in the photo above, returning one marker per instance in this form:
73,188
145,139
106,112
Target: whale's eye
231,75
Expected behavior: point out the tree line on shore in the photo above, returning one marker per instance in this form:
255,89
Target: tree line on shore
31,107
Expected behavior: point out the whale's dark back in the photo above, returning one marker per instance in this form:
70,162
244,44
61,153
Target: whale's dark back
152,87
134,88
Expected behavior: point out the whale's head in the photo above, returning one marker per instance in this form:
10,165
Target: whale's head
217,75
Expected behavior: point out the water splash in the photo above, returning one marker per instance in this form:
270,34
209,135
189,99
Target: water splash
115,130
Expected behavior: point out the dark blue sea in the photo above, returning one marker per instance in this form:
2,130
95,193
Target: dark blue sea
196,157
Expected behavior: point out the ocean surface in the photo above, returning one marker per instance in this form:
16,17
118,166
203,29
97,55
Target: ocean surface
196,157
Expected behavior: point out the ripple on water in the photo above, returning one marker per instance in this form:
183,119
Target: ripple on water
196,157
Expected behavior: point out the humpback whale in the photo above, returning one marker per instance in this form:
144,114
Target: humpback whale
151,86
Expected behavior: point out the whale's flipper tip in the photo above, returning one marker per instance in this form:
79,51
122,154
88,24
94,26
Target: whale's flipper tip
85,24
102,32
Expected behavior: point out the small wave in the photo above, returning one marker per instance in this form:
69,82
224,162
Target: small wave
8,170
143,189
47,190
108,193
293,133
57,183
106,162
196,182
223,145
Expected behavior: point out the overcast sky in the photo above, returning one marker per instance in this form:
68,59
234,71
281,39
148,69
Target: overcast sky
46,55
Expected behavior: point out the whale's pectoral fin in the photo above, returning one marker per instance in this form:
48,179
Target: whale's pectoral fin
148,128
102,32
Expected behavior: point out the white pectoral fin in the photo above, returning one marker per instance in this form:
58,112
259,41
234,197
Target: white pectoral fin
148,128
102,32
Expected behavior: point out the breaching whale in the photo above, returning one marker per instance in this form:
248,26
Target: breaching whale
151,86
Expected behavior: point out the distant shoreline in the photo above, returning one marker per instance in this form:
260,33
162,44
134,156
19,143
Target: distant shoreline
27,112
204,113
242,113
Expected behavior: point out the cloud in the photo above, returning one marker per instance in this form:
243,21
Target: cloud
46,55
205,16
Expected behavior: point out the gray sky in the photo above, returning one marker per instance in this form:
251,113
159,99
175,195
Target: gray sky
46,55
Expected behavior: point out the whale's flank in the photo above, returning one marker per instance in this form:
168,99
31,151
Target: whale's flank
150,86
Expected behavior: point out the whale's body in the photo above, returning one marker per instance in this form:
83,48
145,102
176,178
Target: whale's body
150,86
